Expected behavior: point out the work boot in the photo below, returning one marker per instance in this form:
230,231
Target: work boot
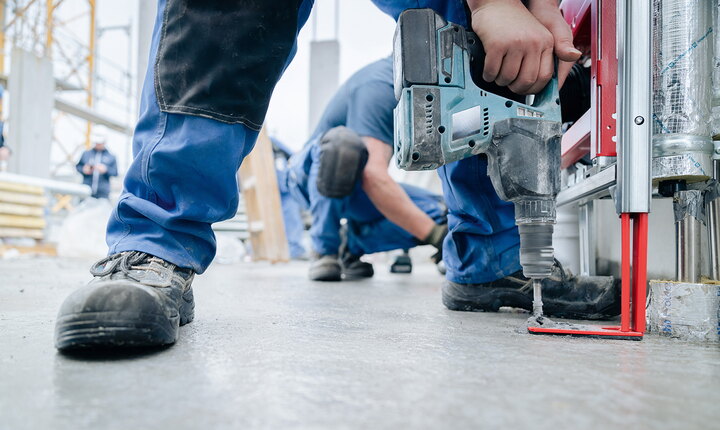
563,295
402,263
326,268
353,268
135,299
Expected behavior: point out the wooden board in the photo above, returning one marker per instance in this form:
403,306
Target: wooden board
262,202
23,199
21,221
21,232
15,209
21,188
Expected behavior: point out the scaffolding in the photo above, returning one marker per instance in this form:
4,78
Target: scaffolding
89,88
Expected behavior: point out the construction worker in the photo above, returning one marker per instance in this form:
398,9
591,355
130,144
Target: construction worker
97,165
481,252
342,172
204,99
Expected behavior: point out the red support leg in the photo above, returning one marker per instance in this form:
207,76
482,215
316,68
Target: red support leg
639,279
625,272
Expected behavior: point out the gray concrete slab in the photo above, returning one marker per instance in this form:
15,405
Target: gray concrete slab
269,349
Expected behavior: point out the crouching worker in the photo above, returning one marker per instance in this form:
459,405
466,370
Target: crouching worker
342,173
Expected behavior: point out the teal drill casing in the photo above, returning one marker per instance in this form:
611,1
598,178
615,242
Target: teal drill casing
442,115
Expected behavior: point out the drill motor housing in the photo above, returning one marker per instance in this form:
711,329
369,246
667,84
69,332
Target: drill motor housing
444,115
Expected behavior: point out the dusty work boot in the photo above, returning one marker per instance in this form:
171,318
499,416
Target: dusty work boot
135,300
326,268
563,295
353,268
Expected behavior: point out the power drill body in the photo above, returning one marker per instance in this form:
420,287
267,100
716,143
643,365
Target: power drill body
444,115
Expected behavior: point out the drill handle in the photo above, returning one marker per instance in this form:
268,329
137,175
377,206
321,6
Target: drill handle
545,100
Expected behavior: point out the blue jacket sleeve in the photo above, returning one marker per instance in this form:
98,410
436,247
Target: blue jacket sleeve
370,111
112,166
83,160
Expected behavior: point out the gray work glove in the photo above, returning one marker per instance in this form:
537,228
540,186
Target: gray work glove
436,238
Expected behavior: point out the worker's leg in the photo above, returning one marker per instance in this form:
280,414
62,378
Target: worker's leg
481,254
369,231
297,173
204,97
326,215
483,243
183,176
292,219
326,212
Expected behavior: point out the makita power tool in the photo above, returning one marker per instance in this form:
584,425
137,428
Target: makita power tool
446,113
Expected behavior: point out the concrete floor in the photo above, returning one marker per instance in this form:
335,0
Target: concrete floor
269,349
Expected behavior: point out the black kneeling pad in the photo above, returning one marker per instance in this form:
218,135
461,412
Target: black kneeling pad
342,159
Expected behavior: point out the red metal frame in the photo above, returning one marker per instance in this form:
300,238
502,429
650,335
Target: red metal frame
604,70
577,15
575,142
600,130
593,26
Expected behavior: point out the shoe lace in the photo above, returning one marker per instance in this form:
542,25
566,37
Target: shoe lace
125,262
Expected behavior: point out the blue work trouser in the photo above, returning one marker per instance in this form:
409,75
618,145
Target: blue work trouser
368,230
292,216
483,243
182,178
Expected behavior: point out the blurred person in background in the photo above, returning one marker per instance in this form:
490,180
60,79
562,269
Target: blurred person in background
97,166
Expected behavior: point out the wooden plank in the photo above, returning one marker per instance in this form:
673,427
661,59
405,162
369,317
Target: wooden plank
23,199
14,209
39,249
21,188
21,232
21,221
262,202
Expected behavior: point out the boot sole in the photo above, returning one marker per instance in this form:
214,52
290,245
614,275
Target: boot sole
112,329
485,300
358,274
401,269
326,276
328,272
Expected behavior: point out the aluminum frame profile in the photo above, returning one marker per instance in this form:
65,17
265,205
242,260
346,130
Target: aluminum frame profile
634,190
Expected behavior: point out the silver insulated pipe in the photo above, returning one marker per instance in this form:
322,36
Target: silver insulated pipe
715,123
689,211
682,89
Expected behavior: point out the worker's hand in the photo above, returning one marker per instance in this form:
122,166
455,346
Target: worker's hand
548,14
87,169
436,237
518,49
101,168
